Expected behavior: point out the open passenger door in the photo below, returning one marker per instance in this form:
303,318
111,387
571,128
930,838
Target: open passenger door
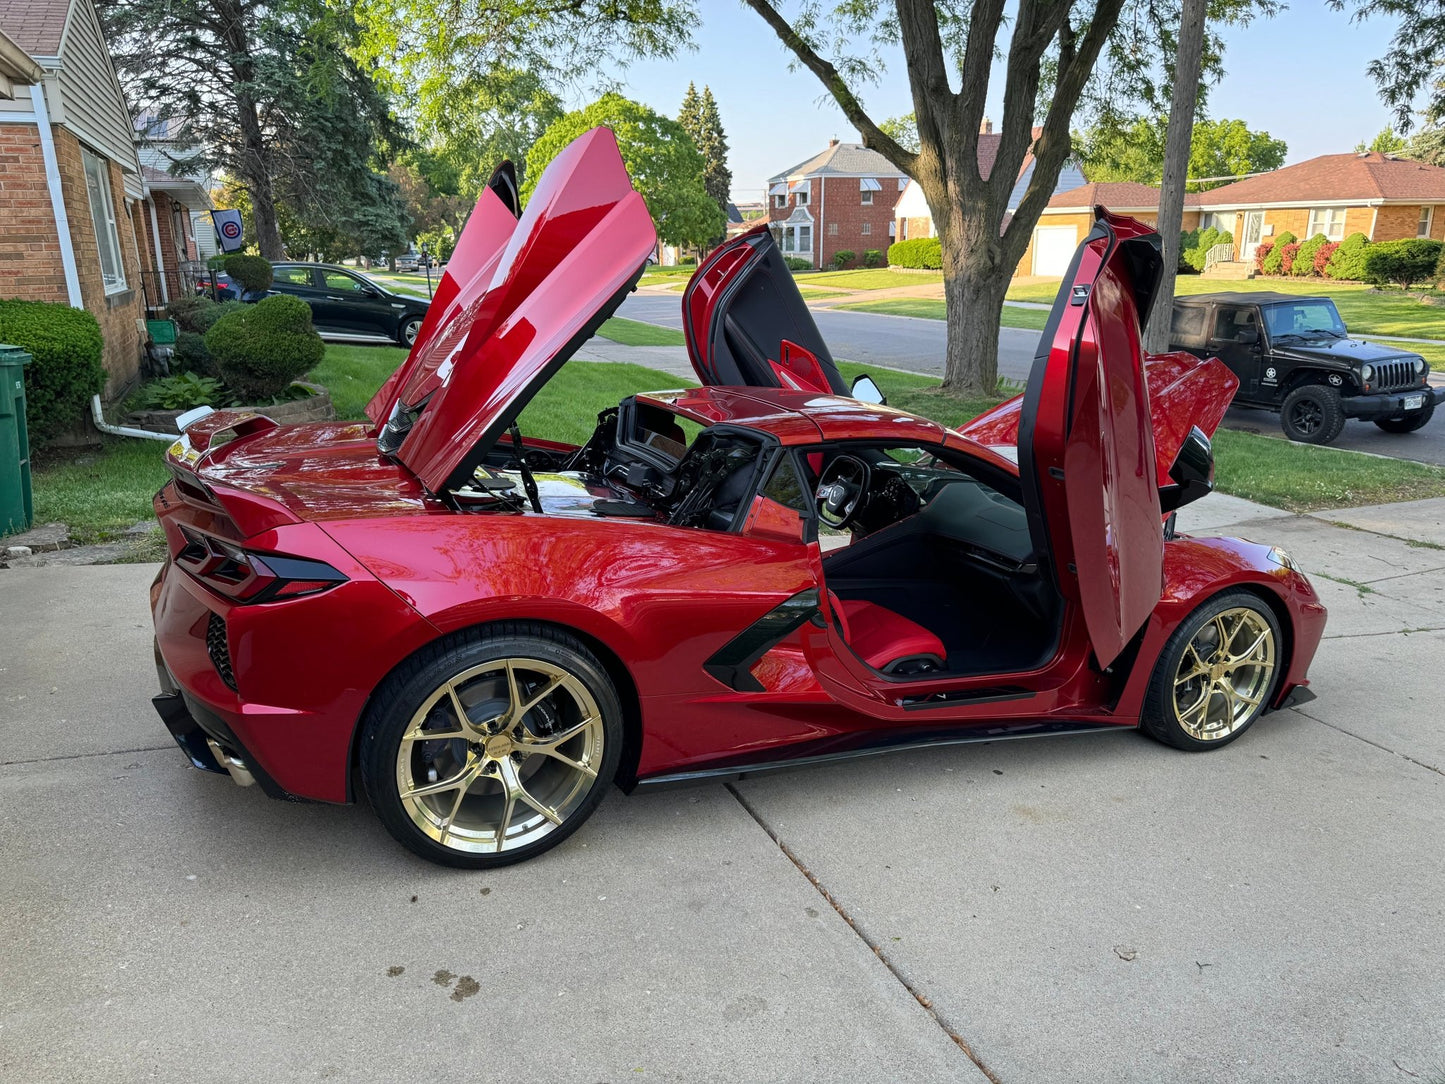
1086,441
746,323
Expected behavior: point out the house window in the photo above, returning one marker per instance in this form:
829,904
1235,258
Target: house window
1329,221
102,217
802,196
832,229
867,197
805,239
867,228
1427,220
780,200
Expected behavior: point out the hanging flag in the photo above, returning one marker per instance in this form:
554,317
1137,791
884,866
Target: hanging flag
228,230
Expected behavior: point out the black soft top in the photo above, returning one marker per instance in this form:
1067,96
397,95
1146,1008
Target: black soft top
1252,297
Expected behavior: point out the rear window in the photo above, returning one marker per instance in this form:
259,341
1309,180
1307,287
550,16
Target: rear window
294,276
1188,326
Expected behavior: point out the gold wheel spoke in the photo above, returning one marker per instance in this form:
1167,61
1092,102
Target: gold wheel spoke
509,802
575,765
547,690
1245,654
514,694
452,816
548,746
516,790
461,712
435,735
462,779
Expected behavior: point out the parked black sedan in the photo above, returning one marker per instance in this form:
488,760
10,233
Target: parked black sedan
343,301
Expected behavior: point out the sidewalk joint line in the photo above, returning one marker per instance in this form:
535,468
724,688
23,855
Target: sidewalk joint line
1369,741
1386,632
924,1003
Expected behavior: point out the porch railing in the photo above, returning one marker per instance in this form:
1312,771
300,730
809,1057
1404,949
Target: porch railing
1223,253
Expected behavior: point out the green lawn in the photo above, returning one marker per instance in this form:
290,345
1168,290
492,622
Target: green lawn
101,491
878,278
1364,310
353,373
930,308
636,333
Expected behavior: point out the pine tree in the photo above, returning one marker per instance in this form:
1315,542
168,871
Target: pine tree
699,116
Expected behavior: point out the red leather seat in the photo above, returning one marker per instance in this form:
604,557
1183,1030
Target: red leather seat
886,640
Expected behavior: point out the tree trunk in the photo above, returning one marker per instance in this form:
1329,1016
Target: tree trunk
973,291
254,165
1176,167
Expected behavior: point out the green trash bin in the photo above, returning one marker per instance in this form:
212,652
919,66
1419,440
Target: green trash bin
16,504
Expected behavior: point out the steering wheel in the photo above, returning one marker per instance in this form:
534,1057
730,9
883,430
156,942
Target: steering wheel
841,489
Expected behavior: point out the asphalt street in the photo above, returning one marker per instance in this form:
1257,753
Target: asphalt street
1096,908
917,345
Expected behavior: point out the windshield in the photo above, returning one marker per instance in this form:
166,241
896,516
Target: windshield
1303,318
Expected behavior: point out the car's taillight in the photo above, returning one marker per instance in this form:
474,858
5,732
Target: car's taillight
250,577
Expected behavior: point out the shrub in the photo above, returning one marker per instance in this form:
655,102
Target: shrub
251,273
180,392
917,252
198,313
1287,253
873,258
1404,262
843,257
1440,269
1194,246
1324,254
797,263
1304,260
1348,262
262,348
1273,263
191,356
1261,253
65,345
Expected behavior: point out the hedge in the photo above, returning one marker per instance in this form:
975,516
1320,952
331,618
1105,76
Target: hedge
252,273
1404,262
797,263
1304,261
65,345
918,252
1325,254
1287,253
1194,246
843,257
1348,262
1261,253
262,348
873,258
1273,263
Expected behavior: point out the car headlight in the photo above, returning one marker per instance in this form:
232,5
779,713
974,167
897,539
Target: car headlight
1367,373
1419,366
1284,560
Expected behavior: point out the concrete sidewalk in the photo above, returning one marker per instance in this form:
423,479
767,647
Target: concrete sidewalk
1096,908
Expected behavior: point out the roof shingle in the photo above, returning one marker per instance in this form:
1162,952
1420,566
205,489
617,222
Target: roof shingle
1116,194
35,25
1333,177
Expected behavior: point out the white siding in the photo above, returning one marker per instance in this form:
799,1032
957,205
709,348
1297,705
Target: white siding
1070,177
94,107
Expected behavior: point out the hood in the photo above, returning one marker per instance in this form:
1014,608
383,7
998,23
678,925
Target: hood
1350,352
568,262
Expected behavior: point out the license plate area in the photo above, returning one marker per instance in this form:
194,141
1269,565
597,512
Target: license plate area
1414,402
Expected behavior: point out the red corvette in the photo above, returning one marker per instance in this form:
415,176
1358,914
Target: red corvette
481,629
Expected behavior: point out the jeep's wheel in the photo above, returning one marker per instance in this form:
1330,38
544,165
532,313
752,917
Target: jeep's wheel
1408,423
1312,414
492,750
1215,675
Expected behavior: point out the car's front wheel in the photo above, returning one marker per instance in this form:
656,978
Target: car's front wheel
492,749
1215,675
1408,423
406,333
1312,414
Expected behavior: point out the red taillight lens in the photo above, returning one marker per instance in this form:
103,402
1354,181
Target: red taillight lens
252,577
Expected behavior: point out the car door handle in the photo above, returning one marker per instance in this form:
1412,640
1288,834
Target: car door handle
333,297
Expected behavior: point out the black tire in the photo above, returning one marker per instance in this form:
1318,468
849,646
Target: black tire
507,774
1211,729
1408,423
407,329
1312,414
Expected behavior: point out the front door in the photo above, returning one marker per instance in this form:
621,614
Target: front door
350,303
1253,232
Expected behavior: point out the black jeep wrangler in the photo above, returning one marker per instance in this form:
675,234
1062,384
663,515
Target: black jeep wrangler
1292,355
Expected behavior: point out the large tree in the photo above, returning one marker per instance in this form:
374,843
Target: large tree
1409,75
1050,53
699,117
1219,151
660,156
266,91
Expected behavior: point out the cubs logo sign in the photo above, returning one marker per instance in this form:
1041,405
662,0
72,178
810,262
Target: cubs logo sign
229,230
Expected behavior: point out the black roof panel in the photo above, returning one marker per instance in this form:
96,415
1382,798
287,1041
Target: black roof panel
1247,297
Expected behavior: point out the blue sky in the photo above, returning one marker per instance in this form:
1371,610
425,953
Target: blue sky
1300,76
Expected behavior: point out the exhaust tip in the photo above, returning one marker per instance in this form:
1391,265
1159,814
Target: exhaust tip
232,763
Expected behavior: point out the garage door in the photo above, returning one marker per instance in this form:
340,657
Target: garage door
1053,249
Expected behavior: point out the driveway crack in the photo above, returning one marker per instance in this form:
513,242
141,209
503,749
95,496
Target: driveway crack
925,1003
82,756
1370,741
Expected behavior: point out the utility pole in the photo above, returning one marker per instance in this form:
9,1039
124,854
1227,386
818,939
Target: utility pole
1176,166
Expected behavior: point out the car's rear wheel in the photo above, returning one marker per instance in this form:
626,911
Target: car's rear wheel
406,333
1311,414
1408,423
1215,675
493,749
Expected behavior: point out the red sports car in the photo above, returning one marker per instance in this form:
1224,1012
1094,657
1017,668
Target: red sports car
482,629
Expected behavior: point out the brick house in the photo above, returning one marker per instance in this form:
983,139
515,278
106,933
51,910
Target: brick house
839,199
71,193
1066,220
912,218
1384,197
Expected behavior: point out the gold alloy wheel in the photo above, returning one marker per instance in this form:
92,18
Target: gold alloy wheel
1224,674
500,755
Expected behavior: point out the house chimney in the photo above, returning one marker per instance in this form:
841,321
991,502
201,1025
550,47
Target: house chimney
986,128
832,143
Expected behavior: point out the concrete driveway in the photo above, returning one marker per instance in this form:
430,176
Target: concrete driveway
1085,909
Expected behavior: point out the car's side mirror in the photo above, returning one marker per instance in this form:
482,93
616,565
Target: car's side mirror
773,521
865,391
367,291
